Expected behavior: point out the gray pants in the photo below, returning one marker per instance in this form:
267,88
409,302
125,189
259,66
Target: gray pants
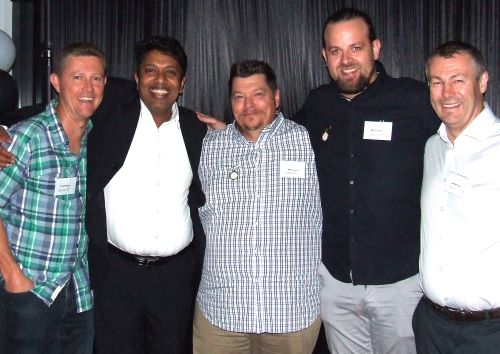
369,319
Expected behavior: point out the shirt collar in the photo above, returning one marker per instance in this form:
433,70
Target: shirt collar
266,133
56,127
477,129
147,116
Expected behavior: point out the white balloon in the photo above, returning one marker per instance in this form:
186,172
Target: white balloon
7,51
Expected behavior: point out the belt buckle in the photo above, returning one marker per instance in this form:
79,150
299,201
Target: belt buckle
146,261
458,314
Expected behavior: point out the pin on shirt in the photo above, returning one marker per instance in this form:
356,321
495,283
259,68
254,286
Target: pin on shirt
234,174
326,134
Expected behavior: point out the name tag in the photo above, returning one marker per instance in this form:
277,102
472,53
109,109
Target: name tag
292,169
378,131
65,186
455,184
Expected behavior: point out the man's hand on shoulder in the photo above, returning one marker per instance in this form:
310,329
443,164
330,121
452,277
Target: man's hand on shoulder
6,158
211,122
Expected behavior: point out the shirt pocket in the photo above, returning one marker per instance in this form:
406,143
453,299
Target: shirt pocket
43,180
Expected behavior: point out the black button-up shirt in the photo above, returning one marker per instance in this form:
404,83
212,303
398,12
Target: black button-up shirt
370,189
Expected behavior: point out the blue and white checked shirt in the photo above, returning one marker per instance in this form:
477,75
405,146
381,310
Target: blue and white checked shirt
263,230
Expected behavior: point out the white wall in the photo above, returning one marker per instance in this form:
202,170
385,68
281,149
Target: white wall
6,16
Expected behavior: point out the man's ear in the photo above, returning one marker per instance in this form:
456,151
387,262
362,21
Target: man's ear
376,46
183,84
54,80
483,82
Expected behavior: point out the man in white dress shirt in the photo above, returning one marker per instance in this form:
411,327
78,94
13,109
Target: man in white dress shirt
142,208
460,246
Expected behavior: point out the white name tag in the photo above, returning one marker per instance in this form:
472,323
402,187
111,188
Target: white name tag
455,184
292,169
65,186
378,131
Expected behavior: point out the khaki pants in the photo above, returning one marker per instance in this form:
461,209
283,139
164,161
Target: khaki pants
209,339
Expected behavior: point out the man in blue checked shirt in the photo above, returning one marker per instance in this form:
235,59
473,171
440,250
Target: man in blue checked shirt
262,218
45,298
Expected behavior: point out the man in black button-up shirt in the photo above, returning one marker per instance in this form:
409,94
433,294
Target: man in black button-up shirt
368,131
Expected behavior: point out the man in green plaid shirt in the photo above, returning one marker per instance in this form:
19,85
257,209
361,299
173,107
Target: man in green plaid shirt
45,298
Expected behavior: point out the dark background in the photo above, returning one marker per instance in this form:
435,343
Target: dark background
215,33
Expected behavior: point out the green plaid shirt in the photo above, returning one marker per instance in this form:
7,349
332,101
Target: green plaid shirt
46,233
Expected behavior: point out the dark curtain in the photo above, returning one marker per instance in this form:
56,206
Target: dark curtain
286,33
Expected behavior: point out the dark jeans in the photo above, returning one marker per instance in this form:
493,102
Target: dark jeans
28,325
435,333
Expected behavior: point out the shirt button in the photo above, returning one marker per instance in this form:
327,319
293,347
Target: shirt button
352,155
351,211
351,182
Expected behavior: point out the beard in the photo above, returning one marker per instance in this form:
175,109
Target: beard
352,87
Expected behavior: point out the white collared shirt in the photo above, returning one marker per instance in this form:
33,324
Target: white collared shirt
460,229
146,201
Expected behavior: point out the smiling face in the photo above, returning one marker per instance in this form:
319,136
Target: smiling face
254,104
160,81
80,87
456,91
350,56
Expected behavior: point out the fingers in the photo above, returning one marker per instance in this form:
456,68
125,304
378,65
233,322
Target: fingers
211,122
4,136
6,158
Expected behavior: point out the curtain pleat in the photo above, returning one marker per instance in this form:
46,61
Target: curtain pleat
286,33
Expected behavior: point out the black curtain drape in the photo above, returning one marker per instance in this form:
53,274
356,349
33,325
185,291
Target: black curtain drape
286,33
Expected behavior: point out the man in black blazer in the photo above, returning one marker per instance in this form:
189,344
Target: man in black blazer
143,196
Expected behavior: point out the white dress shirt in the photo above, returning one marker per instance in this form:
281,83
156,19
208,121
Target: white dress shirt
146,201
460,249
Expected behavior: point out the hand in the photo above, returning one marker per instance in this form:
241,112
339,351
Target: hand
6,158
211,122
18,284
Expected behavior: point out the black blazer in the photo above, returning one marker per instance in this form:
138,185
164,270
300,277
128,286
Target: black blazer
115,123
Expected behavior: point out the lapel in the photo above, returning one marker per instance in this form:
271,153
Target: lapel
109,143
192,133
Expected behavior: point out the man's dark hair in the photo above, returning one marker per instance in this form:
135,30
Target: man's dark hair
347,14
451,48
78,50
246,68
166,45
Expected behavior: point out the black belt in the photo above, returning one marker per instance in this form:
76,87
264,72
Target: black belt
143,261
464,315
